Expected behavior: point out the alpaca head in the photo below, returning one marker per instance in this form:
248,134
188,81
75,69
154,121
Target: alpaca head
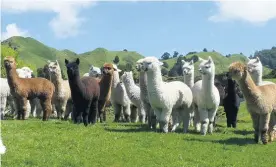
151,64
115,67
254,66
207,67
108,69
9,62
72,68
94,71
24,72
127,77
187,67
139,65
237,70
54,68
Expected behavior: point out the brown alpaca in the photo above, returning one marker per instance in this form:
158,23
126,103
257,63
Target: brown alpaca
24,89
260,101
105,89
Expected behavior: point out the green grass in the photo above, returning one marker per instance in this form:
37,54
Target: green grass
60,143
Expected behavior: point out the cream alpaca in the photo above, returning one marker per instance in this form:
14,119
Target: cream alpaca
167,98
255,68
119,97
133,92
260,101
206,97
144,95
62,94
188,73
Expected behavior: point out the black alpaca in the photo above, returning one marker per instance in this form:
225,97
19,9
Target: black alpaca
231,103
85,93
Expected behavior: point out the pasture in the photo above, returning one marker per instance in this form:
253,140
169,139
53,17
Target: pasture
61,143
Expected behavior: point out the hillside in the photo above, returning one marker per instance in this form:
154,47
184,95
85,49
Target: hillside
221,62
36,53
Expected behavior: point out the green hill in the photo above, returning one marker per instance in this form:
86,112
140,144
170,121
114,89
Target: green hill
36,53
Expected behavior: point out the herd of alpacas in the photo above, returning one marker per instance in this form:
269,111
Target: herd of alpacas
164,104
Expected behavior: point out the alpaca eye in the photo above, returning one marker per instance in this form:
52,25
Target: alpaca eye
149,63
207,66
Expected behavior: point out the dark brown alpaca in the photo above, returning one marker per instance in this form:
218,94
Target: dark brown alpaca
24,89
105,86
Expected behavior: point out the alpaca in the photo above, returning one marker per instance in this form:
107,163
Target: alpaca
188,73
23,89
85,94
231,103
167,98
5,95
206,97
119,97
62,95
255,69
105,89
260,101
93,72
133,92
2,147
144,95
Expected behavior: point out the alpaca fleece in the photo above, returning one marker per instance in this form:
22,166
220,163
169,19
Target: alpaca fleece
105,89
260,101
206,97
167,98
133,92
62,96
231,103
23,89
85,94
119,97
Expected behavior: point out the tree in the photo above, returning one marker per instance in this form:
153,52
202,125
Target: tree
164,71
241,53
165,64
181,55
166,56
116,60
205,50
175,54
179,60
125,50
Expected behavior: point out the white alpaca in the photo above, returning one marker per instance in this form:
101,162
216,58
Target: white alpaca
2,147
133,92
144,95
188,73
119,98
5,96
167,98
206,97
255,68
93,72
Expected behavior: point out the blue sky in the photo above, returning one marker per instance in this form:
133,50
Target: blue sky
150,28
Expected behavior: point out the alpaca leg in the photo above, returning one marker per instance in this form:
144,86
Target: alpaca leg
186,120
148,112
101,105
164,120
175,119
117,110
69,109
272,123
46,107
197,123
142,113
228,119
211,117
126,110
33,107
192,114
234,117
204,121
133,114
263,126
153,119
22,108
255,120
93,112
3,104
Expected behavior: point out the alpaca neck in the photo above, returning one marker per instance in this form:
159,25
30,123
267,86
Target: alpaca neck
106,80
231,88
116,79
12,78
130,85
57,81
189,80
143,79
257,78
208,83
75,82
248,87
154,80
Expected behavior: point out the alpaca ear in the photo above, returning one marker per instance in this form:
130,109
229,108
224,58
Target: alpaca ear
247,59
66,61
200,59
192,62
257,59
210,59
182,61
48,61
78,61
56,62
119,70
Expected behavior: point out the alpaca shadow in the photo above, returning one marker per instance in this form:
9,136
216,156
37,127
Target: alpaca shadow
140,128
243,132
229,141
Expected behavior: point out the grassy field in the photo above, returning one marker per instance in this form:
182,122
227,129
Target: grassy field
63,144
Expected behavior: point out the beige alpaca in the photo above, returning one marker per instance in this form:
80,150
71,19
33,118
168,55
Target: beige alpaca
62,95
260,101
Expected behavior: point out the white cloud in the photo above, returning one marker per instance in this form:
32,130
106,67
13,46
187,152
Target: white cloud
66,23
13,30
251,11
